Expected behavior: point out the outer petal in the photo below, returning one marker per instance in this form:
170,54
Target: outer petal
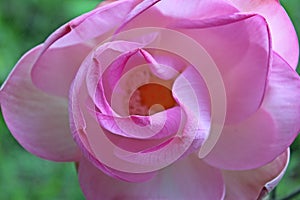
138,10
283,96
186,179
267,133
241,56
249,184
284,40
66,48
195,9
55,70
82,29
245,145
38,121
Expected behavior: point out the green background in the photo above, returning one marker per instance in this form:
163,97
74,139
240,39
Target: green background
23,25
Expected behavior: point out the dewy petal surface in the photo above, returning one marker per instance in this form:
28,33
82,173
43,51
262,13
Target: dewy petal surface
248,184
284,38
189,178
267,133
38,121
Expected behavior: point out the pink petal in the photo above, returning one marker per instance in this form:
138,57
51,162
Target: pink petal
83,124
163,13
186,179
267,133
106,66
278,164
245,146
66,48
282,96
99,149
119,68
138,10
156,126
192,95
55,70
163,65
284,40
159,125
81,30
38,121
242,57
192,9
249,184
119,175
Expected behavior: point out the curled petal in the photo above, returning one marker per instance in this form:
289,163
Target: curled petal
156,126
249,184
138,10
190,91
55,70
193,9
284,40
93,141
268,132
241,56
282,96
38,121
64,50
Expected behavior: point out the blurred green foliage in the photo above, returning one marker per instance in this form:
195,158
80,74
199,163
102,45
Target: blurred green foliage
23,25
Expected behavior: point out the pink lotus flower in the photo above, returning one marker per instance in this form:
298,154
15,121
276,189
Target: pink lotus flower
163,99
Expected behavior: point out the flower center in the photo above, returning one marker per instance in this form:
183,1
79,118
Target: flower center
151,98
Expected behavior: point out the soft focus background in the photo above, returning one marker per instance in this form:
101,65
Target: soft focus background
23,25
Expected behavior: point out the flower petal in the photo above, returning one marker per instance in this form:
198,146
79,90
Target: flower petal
81,30
284,40
159,125
268,132
97,147
249,184
38,121
83,124
193,9
241,56
189,178
55,70
190,91
66,48
238,144
138,10
282,96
